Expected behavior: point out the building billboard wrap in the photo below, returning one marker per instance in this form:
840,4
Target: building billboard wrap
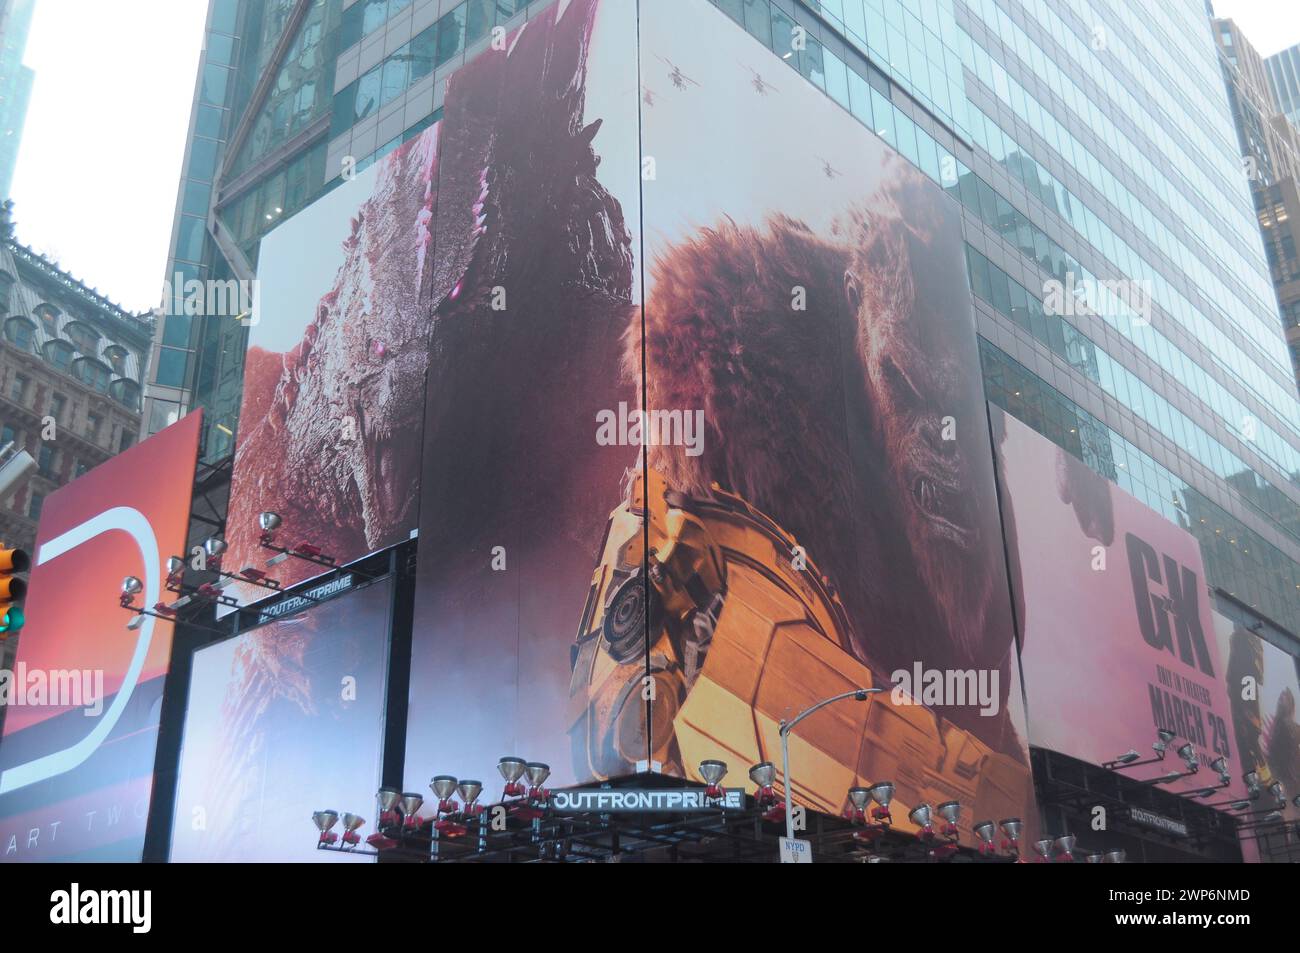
334,375
647,534
1117,635
83,701
282,719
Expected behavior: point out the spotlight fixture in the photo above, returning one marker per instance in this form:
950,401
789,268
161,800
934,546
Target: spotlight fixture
132,586
950,811
921,817
1043,848
1251,778
388,798
537,772
351,824
1093,858
1278,792
269,523
325,821
469,792
763,775
713,771
215,547
882,792
1163,737
1219,766
1011,829
1127,757
1115,857
985,831
1186,752
411,803
856,809
1065,848
512,769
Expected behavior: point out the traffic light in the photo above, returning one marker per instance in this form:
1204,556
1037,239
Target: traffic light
12,589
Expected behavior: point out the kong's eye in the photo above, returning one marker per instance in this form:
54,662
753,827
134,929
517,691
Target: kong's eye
899,384
378,349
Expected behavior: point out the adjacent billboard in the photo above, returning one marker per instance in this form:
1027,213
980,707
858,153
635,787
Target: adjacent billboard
83,701
334,375
647,534
1117,639
1262,683
283,720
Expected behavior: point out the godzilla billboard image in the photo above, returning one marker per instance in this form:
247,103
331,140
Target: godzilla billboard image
83,702
1116,629
770,484
533,292
279,718
334,373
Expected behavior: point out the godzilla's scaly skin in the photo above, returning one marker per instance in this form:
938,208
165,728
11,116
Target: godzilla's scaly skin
336,449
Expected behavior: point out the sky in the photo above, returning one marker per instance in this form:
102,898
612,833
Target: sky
100,160
1270,25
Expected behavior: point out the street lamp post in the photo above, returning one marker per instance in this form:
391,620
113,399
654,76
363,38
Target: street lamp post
858,694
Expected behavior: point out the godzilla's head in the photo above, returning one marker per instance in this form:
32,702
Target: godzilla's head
352,392
520,210
1089,495
921,375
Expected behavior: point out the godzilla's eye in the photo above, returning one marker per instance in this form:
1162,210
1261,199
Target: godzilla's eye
899,384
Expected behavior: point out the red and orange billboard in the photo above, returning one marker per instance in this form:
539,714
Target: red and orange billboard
77,756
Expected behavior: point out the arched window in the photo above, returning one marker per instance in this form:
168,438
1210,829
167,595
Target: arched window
126,393
117,355
49,318
21,333
83,337
92,373
59,353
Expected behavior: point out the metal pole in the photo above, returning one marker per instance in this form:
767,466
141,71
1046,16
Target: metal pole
787,726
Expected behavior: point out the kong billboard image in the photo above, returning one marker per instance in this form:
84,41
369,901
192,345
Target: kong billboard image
334,373
76,772
279,717
1117,638
656,520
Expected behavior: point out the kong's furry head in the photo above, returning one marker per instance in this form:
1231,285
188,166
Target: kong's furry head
921,375
858,423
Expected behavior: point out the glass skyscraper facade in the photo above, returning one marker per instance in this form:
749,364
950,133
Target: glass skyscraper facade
1088,142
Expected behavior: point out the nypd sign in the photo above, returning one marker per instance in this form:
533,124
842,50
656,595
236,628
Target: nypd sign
668,800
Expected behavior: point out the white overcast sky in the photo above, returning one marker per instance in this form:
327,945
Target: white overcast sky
95,186
100,160
1270,25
